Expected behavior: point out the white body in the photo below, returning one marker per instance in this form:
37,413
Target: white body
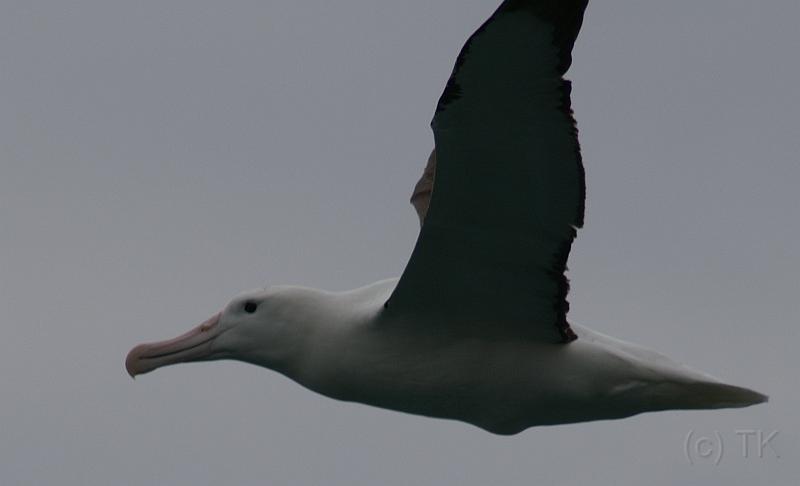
347,350
476,328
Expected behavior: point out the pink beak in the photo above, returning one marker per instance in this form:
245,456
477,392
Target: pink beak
195,345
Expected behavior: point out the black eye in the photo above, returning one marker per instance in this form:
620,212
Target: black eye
250,306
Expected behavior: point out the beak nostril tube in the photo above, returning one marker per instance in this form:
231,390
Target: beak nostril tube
194,345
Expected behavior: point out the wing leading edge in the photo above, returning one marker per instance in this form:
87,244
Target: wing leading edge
509,189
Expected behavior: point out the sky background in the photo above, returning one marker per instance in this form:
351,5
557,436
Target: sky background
157,158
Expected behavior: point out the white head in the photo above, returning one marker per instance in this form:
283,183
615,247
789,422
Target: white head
265,327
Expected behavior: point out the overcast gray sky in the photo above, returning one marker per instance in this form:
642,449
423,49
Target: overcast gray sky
159,157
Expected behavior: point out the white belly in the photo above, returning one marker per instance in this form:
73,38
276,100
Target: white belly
501,386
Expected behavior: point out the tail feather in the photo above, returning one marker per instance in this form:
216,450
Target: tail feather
721,395
705,394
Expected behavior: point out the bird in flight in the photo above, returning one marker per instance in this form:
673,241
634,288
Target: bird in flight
476,327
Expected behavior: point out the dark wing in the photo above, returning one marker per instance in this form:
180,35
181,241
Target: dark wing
421,197
509,184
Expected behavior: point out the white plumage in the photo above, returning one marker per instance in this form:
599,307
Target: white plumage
476,328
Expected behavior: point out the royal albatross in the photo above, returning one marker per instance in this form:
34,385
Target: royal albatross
475,329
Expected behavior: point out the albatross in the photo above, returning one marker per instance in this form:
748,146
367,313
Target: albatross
476,328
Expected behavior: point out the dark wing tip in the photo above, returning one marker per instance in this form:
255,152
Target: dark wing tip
566,17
